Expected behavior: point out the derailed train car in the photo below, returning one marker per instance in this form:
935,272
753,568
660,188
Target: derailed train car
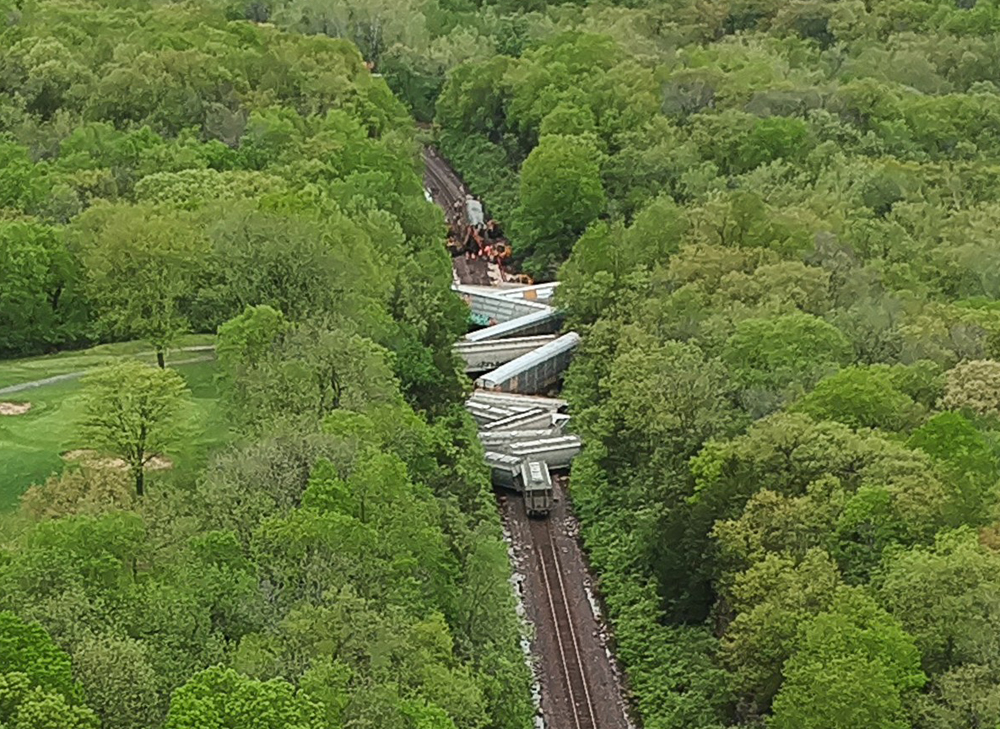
484,413
502,440
522,432
488,355
512,400
505,470
557,453
543,321
529,419
492,306
529,478
535,372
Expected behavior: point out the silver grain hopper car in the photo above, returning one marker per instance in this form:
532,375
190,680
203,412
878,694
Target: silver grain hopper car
541,321
488,355
505,470
483,413
557,453
529,419
512,400
534,372
537,484
502,440
494,307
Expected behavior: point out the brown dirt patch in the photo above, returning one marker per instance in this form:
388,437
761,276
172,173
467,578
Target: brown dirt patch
14,408
90,458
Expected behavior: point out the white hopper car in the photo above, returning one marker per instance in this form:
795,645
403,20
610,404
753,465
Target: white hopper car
527,420
534,372
557,453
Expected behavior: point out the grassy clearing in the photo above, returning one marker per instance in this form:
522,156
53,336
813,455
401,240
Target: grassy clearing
16,371
31,444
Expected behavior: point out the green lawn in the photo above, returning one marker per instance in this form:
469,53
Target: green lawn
16,371
30,444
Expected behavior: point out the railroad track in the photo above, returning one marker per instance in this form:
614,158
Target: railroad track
570,704
581,704
445,188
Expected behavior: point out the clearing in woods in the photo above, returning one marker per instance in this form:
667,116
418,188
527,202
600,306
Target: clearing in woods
31,443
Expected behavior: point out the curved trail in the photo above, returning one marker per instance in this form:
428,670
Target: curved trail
32,384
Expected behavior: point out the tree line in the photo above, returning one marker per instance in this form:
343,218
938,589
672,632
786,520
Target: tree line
168,169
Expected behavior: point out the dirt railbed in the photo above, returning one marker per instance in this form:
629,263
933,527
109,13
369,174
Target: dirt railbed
560,605
530,541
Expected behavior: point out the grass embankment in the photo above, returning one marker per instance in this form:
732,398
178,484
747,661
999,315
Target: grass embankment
31,444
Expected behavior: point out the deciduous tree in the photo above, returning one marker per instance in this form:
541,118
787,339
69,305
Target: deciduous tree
27,650
133,412
40,303
854,666
861,398
561,194
946,597
23,706
974,386
140,264
222,697
119,680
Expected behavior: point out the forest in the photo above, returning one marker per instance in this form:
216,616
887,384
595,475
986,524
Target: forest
166,170
774,224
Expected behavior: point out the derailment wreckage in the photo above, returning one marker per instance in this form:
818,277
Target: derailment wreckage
519,358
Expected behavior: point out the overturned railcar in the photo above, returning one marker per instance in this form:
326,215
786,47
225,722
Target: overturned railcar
556,453
484,413
513,400
483,302
528,420
488,355
505,470
502,440
535,372
542,321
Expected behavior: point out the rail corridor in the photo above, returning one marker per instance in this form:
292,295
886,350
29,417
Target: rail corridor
517,360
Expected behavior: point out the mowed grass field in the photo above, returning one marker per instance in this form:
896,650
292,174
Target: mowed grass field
31,444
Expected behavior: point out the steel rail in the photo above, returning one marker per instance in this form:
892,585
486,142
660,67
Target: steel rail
580,720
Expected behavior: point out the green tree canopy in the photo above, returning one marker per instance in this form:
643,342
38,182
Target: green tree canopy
29,651
855,666
133,412
561,194
139,264
861,398
40,302
221,697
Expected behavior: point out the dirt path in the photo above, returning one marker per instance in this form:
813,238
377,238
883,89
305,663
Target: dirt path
22,386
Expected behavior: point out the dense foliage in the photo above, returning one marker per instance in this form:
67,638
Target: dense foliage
164,169
775,224
775,227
